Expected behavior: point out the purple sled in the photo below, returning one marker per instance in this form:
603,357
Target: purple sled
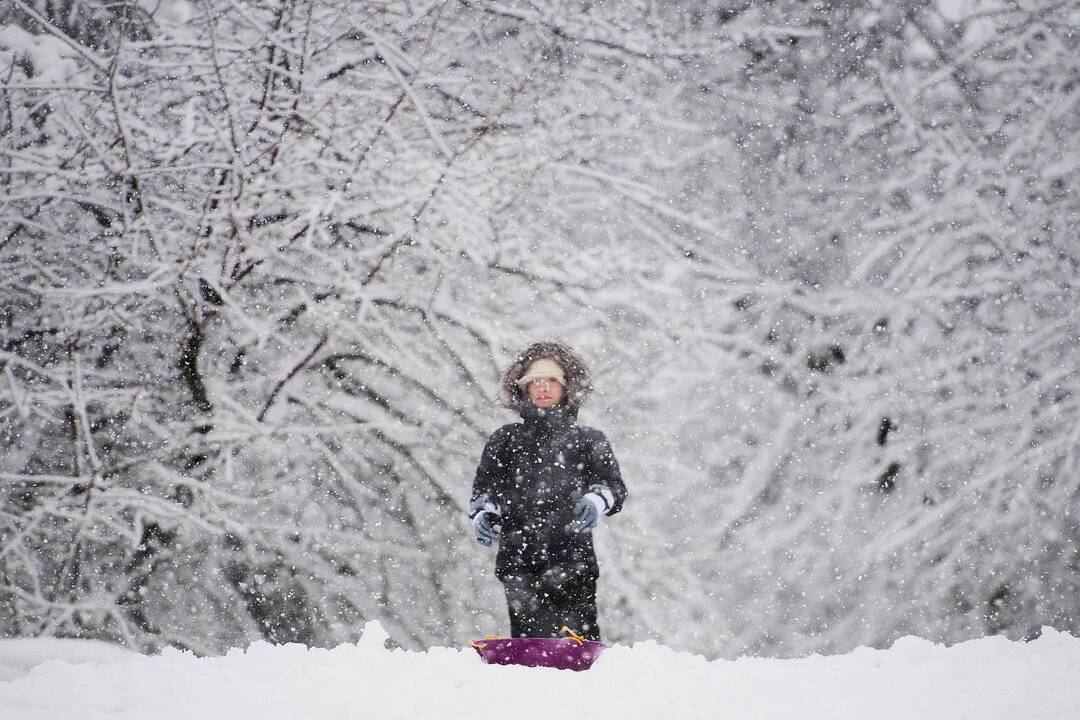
561,653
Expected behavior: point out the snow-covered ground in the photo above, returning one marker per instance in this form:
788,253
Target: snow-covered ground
983,679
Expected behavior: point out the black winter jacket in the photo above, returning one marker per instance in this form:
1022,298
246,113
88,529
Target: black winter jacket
533,472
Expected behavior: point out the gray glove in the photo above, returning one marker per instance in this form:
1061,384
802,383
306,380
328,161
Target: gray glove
484,514
484,527
586,513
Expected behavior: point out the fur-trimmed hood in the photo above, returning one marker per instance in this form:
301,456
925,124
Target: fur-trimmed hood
578,376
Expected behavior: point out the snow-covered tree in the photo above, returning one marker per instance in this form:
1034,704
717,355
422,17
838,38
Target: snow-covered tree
264,262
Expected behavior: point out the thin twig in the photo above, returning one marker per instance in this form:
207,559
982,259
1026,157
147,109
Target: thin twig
292,373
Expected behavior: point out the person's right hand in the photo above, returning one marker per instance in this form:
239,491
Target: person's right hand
484,527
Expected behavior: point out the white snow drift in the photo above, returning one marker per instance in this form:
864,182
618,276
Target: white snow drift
986,679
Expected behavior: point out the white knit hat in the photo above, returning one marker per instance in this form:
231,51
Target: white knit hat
543,368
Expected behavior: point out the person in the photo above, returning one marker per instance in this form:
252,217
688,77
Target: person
540,488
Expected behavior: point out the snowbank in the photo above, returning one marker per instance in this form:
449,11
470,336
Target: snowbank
914,680
18,655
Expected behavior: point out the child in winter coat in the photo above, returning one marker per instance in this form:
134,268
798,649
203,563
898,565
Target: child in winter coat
541,486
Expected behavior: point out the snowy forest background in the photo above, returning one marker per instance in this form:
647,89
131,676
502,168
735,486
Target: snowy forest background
263,261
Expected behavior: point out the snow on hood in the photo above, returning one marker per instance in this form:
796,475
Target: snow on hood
578,375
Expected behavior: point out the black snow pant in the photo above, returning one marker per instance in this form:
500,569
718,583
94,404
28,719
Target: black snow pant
540,604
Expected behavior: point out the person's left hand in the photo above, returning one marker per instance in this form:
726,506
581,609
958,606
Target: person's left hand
586,513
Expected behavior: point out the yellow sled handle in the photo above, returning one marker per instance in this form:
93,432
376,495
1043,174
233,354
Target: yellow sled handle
481,645
571,635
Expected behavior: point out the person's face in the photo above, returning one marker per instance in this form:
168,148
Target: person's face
545,393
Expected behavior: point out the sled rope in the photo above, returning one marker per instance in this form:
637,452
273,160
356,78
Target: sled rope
571,635
476,644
